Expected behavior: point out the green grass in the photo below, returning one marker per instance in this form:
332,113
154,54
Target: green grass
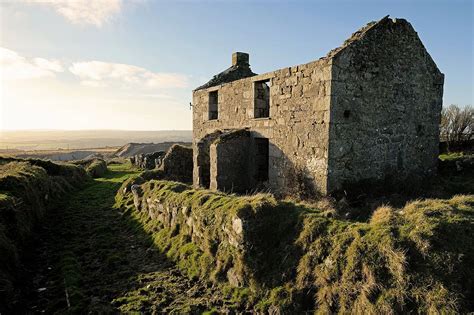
292,257
106,261
451,156
298,257
28,190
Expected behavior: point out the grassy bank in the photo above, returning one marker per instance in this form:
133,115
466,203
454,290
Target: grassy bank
28,190
174,249
295,257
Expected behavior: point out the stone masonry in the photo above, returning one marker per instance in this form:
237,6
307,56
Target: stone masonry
369,110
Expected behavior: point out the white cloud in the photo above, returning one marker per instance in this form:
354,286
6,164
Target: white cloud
46,64
15,67
161,96
106,72
93,83
95,12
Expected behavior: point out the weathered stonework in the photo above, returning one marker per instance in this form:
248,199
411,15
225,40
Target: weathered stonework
177,164
229,162
368,110
148,160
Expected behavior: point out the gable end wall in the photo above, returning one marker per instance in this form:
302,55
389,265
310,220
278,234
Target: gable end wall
385,108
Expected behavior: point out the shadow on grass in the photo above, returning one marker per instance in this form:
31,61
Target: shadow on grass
97,259
359,201
94,258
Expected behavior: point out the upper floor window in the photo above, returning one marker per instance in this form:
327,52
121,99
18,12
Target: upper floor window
213,105
262,99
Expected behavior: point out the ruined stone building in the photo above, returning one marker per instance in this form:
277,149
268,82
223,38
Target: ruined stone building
370,109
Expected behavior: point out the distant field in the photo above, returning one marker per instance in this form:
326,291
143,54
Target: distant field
28,140
61,155
62,151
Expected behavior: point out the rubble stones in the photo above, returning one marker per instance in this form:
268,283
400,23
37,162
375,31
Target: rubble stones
148,160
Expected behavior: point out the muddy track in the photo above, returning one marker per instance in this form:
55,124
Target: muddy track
90,257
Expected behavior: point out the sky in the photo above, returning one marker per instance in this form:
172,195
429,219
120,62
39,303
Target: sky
132,64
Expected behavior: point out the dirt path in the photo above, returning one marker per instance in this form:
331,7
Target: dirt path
93,258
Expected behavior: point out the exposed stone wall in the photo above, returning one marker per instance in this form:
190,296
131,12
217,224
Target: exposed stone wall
177,164
370,109
202,159
297,128
240,241
385,107
148,160
229,162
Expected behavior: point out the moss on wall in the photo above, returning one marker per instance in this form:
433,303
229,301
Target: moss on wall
289,257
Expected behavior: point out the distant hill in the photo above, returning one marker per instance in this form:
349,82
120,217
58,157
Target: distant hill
64,155
131,149
29,140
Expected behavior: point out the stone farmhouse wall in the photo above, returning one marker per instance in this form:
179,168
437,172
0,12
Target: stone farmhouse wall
370,109
297,128
230,158
385,107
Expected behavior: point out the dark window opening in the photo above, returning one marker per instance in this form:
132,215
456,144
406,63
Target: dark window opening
347,113
420,130
262,99
213,105
261,159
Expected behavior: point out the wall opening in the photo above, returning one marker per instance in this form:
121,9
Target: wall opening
213,105
205,175
420,130
262,99
203,161
261,159
203,164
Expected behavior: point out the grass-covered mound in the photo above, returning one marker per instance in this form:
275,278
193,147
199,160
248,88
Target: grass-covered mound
95,168
27,189
418,258
290,257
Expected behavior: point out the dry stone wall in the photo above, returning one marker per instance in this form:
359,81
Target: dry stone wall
230,242
148,160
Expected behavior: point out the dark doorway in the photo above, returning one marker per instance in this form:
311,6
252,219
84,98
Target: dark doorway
205,174
261,159
204,164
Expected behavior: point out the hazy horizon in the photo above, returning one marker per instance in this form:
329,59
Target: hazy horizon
28,140
94,129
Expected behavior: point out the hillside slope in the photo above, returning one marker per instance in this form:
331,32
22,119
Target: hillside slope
131,149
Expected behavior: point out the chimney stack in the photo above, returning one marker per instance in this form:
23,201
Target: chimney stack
240,58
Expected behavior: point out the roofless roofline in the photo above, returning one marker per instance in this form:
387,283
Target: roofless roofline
240,68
